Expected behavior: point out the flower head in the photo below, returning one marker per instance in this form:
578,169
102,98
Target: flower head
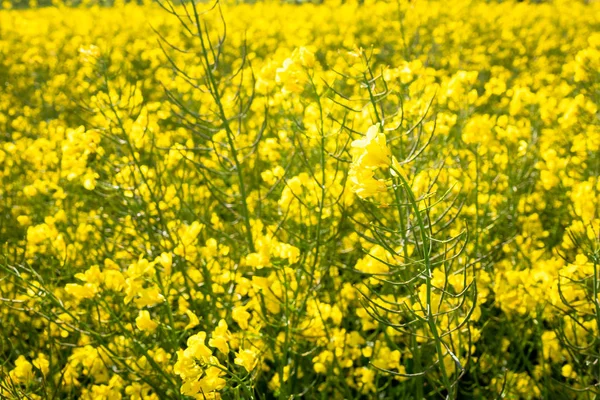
371,153
373,150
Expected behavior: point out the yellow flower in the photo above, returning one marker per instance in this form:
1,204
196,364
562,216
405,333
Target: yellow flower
246,358
149,297
89,52
373,150
304,56
42,363
24,220
364,183
220,337
166,261
86,291
291,76
23,371
370,154
196,347
241,316
193,320
212,380
567,371
144,322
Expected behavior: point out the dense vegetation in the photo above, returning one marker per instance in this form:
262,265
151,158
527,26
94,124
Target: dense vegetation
375,200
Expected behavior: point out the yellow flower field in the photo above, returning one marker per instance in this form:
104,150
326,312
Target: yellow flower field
355,200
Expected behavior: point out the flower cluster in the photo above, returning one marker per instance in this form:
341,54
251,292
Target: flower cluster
372,153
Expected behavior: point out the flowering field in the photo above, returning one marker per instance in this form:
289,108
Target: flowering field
339,201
